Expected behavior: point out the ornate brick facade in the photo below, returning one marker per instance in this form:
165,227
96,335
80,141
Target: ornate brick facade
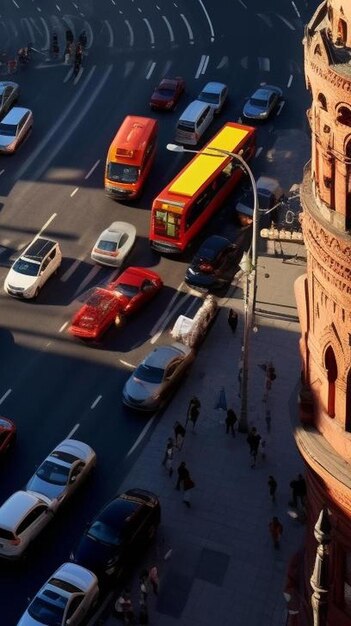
324,301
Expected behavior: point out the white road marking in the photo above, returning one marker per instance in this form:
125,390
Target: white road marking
128,68
141,436
199,69
258,152
77,78
58,8
264,64
63,327
1,173
48,344
74,192
242,4
90,35
27,24
131,33
15,3
68,75
170,31
204,67
96,402
127,364
151,69
151,32
92,169
74,430
286,22
47,224
208,20
267,20
168,308
110,32
296,9
94,270
280,107
6,394
223,62
166,320
70,271
188,27
290,80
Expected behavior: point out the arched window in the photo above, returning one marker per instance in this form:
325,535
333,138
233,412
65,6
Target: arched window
322,101
317,50
332,374
344,115
342,32
348,403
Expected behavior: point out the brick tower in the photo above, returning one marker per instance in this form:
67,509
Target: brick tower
323,432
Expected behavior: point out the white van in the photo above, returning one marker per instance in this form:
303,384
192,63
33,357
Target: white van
193,122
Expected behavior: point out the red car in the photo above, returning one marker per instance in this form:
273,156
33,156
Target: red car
110,305
7,434
167,94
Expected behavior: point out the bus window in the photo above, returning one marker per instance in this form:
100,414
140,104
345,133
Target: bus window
167,224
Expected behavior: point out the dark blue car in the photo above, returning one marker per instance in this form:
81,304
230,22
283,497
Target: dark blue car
214,265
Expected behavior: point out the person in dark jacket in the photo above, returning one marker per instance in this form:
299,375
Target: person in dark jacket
232,320
179,434
193,411
230,422
183,474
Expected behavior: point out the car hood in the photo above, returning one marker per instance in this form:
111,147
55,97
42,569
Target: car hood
195,277
41,487
27,620
94,555
20,280
6,140
253,109
139,390
159,97
76,575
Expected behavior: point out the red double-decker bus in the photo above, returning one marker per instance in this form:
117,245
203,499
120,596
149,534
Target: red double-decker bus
182,209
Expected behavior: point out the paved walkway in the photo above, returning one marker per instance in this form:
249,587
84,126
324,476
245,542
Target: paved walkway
223,569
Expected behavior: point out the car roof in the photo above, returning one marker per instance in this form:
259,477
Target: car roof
215,243
15,508
15,115
162,355
262,93
169,82
118,511
213,87
39,248
193,109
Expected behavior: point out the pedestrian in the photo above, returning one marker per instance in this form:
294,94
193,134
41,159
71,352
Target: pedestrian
230,422
253,439
128,611
262,449
169,462
183,474
144,585
179,433
169,446
272,485
188,485
193,411
276,530
268,419
233,320
79,53
299,491
123,606
154,579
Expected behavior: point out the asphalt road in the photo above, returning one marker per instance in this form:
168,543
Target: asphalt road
49,384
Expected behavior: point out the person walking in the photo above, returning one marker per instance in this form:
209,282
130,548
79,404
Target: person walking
188,485
272,485
169,446
124,608
276,530
230,422
154,579
144,585
233,320
299,491
193,411
253,439
183,474
169,462
179,433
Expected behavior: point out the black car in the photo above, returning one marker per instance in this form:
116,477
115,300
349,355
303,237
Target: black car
214,264
118,533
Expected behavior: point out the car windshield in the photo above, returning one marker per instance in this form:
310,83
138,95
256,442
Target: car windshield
122,173
166,92
48,608
127,290
26,267
258,102
53,473
107,246
104,533
9,130
149,374
206,96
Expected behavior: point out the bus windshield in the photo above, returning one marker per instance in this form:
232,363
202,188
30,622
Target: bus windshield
167,223
122,173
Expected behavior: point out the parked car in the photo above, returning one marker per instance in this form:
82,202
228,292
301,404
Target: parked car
14,128
119,533
262,102
63,471
22,516
214,94
269,193
121,298
65,599
8,433
114,244
214,264
9,94
33,268
157,377
167,94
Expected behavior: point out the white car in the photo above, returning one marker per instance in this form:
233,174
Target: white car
22,516
214,94
14,128
114,244
33,268
65,599
62,472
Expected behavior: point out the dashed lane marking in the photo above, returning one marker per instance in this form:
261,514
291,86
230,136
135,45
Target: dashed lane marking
188,27
92,169
166,311
15,3
170,30
47,223
141,436
151,32
74,430
1,172
63,327
208,20
94,270
127,364
79,75
242,4
131,33
264,64
70,270
151,69
296,9
96,402
258,152
280,107
286,22
6,394
110,32
290,81
74,192
200,66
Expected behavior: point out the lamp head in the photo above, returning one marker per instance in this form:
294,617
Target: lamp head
173,147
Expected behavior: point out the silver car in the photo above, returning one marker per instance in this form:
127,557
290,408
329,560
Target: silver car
214,94
262,103
14,128
9,94
114,244
62,471
66,598
157,377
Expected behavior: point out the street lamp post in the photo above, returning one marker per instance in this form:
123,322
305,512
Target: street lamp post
248,265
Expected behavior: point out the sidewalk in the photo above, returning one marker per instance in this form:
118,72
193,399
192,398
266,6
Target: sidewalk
223,569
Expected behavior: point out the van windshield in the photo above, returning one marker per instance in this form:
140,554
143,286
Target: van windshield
186,126
122,173
8,130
